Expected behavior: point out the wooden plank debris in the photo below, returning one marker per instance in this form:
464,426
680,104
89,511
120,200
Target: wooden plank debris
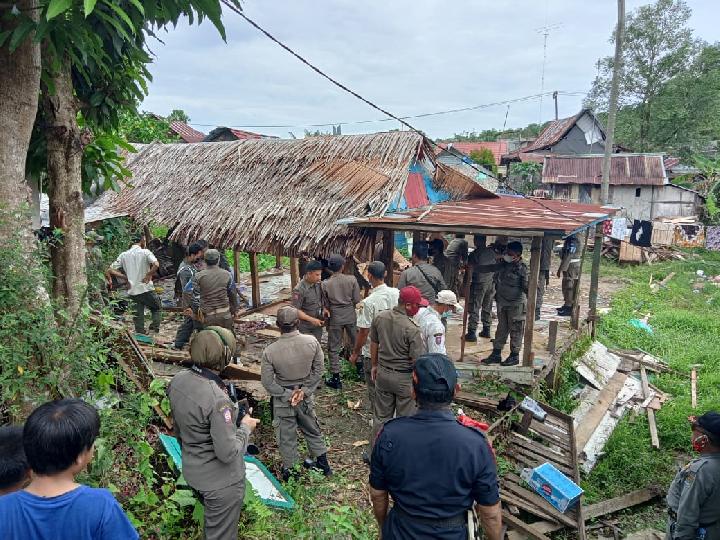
693,386
604,401
518,374
552,336
520,525
650,412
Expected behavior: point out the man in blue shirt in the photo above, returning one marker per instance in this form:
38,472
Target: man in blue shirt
59,439
434,468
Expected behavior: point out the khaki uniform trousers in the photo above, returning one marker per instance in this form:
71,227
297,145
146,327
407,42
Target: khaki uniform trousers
569,279
511,321
287,420
315,331
481,300
393,396
225,320
335,343
222,511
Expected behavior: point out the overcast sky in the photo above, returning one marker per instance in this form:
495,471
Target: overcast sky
410,57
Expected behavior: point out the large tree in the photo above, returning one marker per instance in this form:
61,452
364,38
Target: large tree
658,45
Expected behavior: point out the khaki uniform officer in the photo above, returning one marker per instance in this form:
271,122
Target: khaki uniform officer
570,270
456,255
291,370
341,294
511,285
381,298
213,442
694,496
307,298
214,295
544,278
422,275
395,343
482,290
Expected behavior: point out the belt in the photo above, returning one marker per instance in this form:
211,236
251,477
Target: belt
673,516
217,311
442,523
397,370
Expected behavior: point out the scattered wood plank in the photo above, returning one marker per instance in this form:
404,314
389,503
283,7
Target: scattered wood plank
513,483
521,526
650,412
693,387
468,399
242,372
592,419
519,374
520,502
240,314
141,388
616,504
552,336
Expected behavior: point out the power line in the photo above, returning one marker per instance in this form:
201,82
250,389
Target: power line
368,102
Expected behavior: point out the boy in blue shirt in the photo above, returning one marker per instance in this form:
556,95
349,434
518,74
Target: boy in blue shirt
59,438
14,468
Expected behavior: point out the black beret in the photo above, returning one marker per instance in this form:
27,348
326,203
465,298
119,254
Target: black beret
313,266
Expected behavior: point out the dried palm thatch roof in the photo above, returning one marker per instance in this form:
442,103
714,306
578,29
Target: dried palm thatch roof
283,196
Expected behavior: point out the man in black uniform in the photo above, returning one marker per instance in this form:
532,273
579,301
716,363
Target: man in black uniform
434,468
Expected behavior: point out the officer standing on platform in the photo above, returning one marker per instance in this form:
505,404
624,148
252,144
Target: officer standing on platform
291,370
482,289
544,277
381,298
307,297
694,496
570,270
395,343
213,441
434,468
511,286
341,293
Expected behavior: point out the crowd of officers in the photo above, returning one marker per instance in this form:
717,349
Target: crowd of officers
394,338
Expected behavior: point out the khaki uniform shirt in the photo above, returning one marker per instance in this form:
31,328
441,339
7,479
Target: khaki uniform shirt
308,298
341,294
212,290
185,274
294,360
414,276
481,256
380,299
457,250
694,496
511,282
398,338
205,424
546,254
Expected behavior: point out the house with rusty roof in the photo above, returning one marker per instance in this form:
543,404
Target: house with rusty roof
578,134
639,184
220,134
185,132
498,148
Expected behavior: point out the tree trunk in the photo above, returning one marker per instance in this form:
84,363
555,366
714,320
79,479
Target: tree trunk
19,88
64,160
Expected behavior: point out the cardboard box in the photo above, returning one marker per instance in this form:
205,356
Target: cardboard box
554,486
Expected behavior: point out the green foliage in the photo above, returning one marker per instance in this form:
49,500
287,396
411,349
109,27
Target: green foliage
265,261
146,127
179,115
524,177
485,158
686,331
528,132
567,379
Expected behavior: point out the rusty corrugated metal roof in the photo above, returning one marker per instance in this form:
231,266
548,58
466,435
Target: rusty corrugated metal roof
186,133
518,216
625,169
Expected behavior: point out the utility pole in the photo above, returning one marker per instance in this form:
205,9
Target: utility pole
555,95
605,185
545,31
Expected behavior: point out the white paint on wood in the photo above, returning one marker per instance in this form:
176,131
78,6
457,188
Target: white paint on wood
597,365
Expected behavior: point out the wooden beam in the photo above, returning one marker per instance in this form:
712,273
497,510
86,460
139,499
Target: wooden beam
575,317
466,311
535,250
552,336
294,272
520,525
655,440
594,416
254,279
595,279
693,387
278,261
388,253
236,265
616,504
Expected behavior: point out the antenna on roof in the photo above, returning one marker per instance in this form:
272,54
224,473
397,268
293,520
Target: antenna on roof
545,31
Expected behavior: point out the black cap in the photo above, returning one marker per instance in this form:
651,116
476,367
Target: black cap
335,262
434,372
515,247
313,266
376,269
709,422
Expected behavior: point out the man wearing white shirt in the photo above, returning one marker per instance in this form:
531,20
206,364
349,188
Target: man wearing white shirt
138,266
430,320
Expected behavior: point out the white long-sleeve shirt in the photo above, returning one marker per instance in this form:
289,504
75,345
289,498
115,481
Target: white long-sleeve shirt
432,330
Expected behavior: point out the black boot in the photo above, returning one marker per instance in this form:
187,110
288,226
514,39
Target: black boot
321,463
287,474
512,360
485,332
565,311
334,382
360,368
494,358
470,336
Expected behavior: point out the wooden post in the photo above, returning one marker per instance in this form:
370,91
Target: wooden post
552,336
388,255
654,439
575,317
278,261
254,279
535,250
294,272
693,386
466,310
594,279
236,265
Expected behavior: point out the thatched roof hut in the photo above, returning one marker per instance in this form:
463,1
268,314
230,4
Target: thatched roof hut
285,196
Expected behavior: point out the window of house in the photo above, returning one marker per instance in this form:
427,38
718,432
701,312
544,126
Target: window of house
637,192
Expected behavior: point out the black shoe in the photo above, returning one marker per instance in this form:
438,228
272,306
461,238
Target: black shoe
321,463
494,358
485,332
287,474
537,316
565,311
470,337
512,360
334,382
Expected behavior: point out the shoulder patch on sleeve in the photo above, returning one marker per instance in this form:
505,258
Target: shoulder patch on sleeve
227,414
438,339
